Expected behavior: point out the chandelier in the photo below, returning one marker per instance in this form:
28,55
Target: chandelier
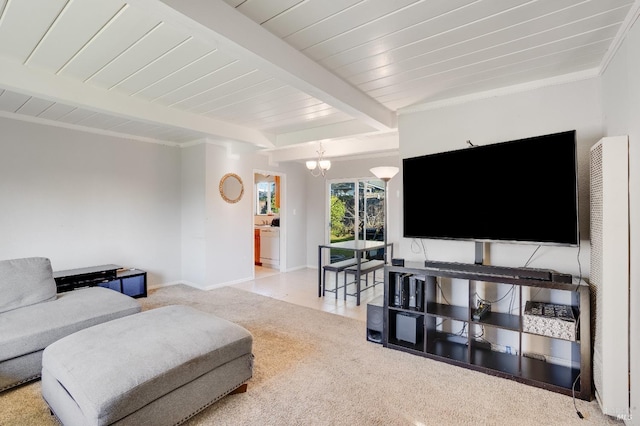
320,166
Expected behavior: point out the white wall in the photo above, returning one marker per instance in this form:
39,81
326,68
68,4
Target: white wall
82,200
498,119
293,216
194,209
621,103
228,226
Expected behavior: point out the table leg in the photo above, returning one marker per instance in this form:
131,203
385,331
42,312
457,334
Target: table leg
358,279
319,271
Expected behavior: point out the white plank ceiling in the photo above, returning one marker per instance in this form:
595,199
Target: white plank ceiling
280,75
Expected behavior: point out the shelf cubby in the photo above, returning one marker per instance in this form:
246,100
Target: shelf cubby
411,338
460,313
444,345
500,320
551,375
496,361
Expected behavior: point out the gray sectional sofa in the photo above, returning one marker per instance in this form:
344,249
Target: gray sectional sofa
32,315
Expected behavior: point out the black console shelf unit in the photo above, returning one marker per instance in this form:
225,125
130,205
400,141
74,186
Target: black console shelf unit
132,282
418,327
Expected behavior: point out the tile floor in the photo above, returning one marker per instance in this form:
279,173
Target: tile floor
301,288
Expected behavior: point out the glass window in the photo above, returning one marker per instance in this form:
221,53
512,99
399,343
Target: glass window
266,198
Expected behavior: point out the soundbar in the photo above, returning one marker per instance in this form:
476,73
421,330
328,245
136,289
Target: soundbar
505,271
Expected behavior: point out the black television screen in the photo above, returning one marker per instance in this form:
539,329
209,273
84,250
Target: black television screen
519,191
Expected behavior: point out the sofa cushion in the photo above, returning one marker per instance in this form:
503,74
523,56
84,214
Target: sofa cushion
25,282
32,328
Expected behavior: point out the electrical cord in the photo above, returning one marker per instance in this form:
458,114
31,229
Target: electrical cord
442,293
573,393
531,257
420,247
579,269
495,301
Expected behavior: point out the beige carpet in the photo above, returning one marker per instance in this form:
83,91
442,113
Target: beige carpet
316,368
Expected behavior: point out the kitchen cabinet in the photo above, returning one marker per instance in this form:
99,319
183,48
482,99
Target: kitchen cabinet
256,247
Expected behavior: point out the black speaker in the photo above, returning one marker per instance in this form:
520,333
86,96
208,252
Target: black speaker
408,327
375,320
397,262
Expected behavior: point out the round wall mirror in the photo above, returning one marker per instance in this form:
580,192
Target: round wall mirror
231,188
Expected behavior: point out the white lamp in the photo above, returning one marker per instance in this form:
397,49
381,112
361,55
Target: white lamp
385,174
320,166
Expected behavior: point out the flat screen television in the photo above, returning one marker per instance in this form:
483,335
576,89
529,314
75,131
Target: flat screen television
521,191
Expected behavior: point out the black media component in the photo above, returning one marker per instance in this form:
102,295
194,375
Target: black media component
132,282
84,277
481,311
522,191
420,293
408,327
504,271
406,295
397,262
375,320
561,278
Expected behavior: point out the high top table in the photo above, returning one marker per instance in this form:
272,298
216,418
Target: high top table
358,247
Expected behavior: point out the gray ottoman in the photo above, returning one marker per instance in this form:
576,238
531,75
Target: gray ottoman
157,367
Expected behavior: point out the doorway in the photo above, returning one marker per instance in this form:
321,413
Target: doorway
268,221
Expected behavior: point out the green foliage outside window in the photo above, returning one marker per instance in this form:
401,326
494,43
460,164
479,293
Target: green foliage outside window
338,211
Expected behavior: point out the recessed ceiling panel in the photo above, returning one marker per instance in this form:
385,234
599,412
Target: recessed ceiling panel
189,51
375,31
118,36
245,95
21,29
56,111
347,20
12,101
34,107
76,24
210,81
215,91
187,74
318,119
497,56
305,14
262,11
103,121
272,100
476,23
159,41
76,116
